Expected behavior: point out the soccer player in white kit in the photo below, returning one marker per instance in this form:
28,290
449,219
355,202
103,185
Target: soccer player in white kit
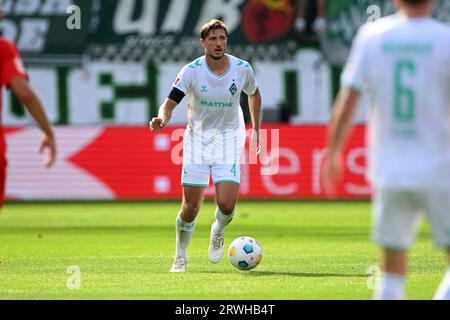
404,62
215,135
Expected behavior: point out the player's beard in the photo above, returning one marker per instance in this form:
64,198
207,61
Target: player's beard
217,58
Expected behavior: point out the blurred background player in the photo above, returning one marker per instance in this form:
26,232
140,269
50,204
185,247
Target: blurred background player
318,24
13,75
213,84
403,60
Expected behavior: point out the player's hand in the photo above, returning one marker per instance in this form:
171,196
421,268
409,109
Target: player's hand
157,124
331,173
48,142
255,143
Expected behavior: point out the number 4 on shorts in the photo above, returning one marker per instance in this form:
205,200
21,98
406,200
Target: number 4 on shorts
233,170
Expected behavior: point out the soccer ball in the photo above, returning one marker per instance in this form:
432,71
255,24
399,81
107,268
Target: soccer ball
245,253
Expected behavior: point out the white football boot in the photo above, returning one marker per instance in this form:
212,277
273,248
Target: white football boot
215,251
179,264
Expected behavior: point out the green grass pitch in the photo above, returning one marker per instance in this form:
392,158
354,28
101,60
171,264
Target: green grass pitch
311,250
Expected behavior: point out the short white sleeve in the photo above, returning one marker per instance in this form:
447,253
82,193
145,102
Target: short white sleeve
355,71
183,81
251,84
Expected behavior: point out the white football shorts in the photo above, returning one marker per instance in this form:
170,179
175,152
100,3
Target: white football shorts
219,160
397,215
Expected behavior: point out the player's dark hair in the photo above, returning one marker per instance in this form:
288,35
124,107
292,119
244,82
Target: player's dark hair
214,24
415,2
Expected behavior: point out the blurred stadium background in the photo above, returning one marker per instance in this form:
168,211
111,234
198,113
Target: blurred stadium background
102,83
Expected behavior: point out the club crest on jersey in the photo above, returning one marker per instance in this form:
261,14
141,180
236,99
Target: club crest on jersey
233,89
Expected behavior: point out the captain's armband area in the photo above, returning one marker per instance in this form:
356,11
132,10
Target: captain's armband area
176,95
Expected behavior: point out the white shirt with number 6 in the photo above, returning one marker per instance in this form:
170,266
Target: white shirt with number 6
404,64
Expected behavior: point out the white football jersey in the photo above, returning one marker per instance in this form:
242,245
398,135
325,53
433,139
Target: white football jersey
404,64
213,101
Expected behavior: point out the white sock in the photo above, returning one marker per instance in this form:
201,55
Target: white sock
443,291
391,287
222,220
184,231
299,24
320,25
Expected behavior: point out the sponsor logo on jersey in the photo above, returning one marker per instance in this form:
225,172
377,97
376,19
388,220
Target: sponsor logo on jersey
204,89
216,104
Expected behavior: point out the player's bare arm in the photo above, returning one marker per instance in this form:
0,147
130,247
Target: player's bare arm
341,119
164,115
254,103
32,103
